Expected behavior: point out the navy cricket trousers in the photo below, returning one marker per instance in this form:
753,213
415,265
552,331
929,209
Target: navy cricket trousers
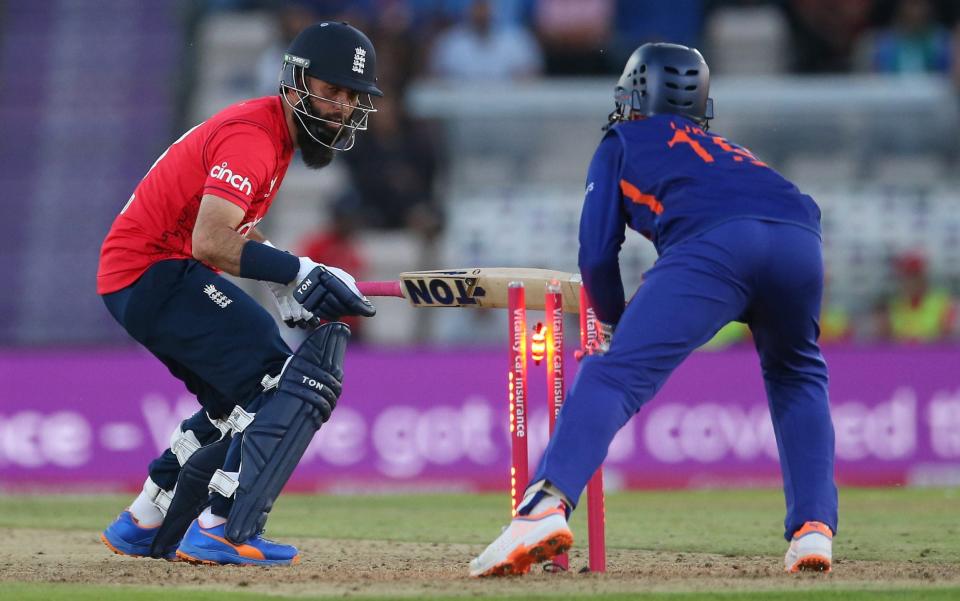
209,333
769,275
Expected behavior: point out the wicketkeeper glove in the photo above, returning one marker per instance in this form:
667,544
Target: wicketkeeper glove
329,293
606,335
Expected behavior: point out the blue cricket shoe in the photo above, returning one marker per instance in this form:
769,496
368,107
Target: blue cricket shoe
210,546
126,537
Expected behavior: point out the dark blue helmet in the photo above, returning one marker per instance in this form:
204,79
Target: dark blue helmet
339,54
664,78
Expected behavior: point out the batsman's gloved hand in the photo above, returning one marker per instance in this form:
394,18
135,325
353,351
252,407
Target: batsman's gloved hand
291,312
329,293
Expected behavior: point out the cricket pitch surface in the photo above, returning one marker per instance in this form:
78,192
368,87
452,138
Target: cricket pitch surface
674,545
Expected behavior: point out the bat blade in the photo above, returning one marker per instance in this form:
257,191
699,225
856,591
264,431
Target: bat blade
482,287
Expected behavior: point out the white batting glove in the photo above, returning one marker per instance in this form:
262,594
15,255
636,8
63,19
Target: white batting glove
291,312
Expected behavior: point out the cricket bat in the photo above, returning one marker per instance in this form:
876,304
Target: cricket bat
481,287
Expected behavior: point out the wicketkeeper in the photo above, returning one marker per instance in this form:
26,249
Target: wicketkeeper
736,242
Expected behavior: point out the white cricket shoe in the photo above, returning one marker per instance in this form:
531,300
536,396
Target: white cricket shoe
811,549
529,539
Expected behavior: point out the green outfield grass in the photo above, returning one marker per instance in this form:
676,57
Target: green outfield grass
903,525
924,522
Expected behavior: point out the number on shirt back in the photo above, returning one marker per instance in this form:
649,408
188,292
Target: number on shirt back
693,136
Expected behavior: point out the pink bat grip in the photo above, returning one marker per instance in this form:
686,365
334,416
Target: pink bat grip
391,288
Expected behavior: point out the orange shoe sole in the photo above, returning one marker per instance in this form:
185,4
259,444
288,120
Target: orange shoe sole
523,557
812,563
106,542
193,560
181,556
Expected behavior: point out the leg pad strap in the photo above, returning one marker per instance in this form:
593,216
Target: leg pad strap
223,483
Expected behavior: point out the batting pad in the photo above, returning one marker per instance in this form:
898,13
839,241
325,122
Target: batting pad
283,428
190,495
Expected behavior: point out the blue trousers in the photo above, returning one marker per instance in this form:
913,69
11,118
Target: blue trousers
220,350
769,275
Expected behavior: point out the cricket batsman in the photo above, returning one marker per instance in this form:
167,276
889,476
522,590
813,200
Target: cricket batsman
735,242
192,216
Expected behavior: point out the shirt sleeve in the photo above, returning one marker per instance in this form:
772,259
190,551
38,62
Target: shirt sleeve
602,226
240,159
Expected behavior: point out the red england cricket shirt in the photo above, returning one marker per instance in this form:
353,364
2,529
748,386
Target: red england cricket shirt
240,154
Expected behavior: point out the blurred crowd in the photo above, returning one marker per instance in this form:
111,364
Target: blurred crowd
508,39
396,164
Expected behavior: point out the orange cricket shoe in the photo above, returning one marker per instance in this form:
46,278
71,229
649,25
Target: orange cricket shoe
529,539
811,549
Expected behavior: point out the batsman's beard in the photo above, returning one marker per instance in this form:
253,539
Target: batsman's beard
315,155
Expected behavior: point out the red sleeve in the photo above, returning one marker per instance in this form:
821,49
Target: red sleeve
240,159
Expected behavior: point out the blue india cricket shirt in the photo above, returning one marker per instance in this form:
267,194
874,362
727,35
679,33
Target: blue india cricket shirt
668,179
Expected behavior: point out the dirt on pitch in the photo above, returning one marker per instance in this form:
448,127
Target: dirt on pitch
350,568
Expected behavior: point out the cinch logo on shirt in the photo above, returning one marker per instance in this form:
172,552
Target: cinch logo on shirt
221,173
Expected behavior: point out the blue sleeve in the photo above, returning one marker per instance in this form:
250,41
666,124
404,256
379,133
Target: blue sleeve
602,225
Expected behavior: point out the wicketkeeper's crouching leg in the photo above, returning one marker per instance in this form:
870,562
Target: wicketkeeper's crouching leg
261,459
